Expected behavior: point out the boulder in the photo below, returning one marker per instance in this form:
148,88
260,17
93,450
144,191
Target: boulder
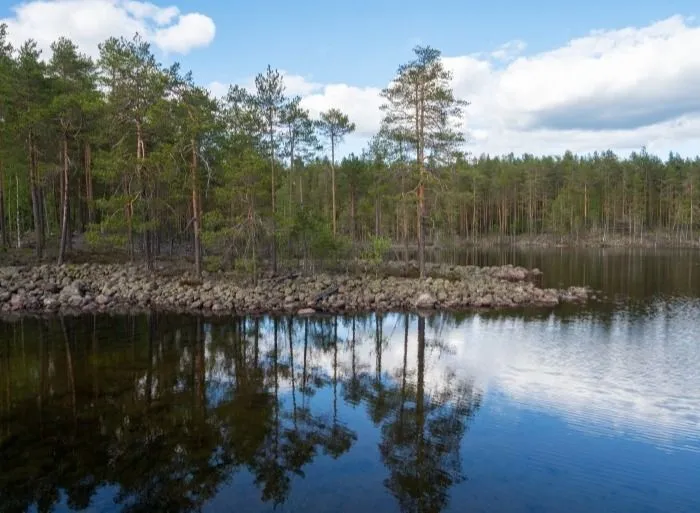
424,300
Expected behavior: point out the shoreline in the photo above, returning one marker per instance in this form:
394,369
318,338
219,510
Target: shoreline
128,289
650,241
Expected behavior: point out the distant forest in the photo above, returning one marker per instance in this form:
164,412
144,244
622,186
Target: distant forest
138,159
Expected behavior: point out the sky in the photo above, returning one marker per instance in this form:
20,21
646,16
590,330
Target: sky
541,77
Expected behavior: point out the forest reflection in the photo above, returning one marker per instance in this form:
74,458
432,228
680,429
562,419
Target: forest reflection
164,411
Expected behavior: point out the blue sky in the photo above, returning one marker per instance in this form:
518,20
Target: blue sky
584,77
362,42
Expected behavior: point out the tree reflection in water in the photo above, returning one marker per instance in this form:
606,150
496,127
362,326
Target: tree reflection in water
166,410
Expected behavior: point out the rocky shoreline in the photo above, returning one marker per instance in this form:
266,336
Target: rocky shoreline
95,288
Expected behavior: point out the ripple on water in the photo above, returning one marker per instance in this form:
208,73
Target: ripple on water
636,373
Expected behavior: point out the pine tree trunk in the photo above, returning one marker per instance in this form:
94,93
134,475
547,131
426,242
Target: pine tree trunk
17,215
140,156
353,215
377,217
333,183
64,202
692,207
36,200
420,158
195,212
88,183
404,212
421,230
274,217
291,177
4,241
128,211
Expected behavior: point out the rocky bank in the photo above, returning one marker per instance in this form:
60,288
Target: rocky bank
120,289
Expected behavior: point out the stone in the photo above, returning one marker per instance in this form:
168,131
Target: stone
102,299
131,288
17,302
424,300
51,303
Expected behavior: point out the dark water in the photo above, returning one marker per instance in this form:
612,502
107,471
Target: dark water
576,410
622,273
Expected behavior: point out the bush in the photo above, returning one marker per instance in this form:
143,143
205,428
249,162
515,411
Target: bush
378,247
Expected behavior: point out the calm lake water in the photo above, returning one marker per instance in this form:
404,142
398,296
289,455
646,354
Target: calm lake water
576,409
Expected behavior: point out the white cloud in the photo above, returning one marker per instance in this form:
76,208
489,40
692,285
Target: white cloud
90,22
298,85
143,10
616,89
293,85
218,89
361,104
191,31
509,50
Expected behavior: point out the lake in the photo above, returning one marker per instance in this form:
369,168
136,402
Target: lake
576,409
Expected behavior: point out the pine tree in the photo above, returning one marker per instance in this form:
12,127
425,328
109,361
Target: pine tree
7,74
420,103
73,98
198,125
335,126
271,101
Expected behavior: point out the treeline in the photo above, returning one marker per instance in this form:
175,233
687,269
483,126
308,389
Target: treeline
136,157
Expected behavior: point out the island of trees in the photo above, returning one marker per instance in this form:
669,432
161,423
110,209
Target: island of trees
125,155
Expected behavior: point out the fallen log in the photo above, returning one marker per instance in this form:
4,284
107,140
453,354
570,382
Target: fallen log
323,295
281,279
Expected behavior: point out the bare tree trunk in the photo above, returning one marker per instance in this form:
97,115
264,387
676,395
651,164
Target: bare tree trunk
420,158
692,207
36,200
291,176
64,201
274,218
140,157
3,224
129,212
421,230
353,214
195,212
88,183
376,217
17,216
333,183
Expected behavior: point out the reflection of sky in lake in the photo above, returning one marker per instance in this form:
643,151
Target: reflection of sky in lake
637,376
580,413
629,389
641,377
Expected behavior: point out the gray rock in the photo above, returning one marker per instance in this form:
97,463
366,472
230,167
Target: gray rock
102,299
17,301
75,301
424,300
51,303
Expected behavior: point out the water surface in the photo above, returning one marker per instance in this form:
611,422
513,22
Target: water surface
577,410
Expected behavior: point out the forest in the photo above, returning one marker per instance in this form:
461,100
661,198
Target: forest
124,155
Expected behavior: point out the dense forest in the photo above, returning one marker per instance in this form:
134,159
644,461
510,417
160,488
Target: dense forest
126,155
